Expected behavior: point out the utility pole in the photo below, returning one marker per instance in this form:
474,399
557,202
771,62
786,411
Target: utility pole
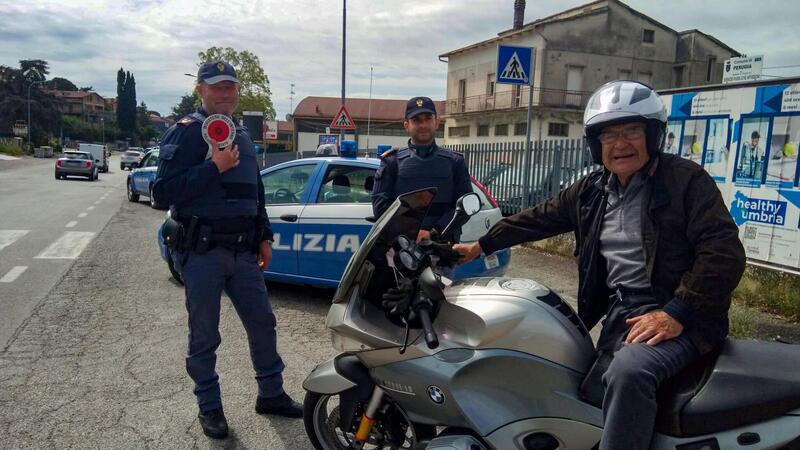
344,55
369,108
291,98
30,125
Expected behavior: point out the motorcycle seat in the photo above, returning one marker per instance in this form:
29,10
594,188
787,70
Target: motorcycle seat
742,382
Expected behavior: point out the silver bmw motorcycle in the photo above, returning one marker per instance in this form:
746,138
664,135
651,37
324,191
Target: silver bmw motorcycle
504,363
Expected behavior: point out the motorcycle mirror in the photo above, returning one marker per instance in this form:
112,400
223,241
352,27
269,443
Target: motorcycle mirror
470,203
466,206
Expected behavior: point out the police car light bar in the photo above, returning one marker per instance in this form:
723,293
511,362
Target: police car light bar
348,149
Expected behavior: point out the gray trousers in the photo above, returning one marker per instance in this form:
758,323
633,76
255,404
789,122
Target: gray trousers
631,382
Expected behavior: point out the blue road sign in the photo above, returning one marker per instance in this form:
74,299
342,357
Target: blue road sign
514,64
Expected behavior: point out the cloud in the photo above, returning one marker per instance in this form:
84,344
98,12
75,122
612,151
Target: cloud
299,42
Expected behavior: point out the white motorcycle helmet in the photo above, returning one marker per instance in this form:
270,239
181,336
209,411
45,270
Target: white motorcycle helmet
620,102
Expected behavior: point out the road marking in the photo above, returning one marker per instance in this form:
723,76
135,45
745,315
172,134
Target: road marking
97,202
72,224
90,208
82,215
68,246
7,237
13,274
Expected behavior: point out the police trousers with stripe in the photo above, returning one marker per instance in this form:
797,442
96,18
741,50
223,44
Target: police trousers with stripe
205,277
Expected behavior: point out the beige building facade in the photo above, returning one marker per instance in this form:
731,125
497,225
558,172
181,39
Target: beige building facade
576,51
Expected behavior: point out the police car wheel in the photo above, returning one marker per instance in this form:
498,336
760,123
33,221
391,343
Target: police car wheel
153,203
132,196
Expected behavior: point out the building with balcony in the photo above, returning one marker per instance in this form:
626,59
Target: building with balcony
378,121
89,106
576,51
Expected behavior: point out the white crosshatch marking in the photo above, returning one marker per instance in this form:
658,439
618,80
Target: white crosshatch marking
68,246
13,274
7,237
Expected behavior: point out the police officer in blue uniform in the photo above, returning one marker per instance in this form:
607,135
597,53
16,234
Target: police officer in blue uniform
220,239
421,165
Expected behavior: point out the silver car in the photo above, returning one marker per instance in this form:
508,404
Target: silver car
131,158
76,163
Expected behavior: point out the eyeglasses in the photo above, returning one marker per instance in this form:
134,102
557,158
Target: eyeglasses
629,134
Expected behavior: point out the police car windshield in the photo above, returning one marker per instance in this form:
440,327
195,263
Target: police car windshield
404,217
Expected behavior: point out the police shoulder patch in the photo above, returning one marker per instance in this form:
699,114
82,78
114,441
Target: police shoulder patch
186,120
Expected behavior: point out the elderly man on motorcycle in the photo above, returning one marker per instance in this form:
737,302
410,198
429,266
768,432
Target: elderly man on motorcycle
657,250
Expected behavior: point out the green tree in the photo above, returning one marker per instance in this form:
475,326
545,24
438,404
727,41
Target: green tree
186,106
146,132
126,103
15,84
255,94
62,84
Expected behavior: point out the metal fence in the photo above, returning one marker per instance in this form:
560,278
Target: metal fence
517,181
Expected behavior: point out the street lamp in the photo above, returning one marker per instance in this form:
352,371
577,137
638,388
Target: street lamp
103,128
29,110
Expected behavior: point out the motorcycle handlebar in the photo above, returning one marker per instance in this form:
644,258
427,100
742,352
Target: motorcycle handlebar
430,335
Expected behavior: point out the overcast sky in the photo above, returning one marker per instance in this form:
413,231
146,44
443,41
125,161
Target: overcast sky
299,41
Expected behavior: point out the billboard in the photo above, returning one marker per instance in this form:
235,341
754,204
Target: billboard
747,139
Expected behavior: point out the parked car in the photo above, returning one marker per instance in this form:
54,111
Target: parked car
141,179
319,210
131,158
508,186
76,163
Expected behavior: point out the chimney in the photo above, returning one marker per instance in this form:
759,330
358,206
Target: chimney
519,13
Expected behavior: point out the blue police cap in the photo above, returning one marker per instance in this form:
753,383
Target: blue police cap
419,105
213,72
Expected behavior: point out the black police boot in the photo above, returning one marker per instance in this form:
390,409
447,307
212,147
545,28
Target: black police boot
281,405
214,423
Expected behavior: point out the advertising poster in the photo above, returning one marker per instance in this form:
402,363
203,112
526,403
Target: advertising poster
747,139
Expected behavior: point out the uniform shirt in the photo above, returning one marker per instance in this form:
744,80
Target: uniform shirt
621,234
189,175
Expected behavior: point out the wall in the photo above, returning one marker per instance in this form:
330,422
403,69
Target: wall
694,49
310,141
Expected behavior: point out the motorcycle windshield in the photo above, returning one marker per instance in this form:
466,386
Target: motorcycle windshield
404,217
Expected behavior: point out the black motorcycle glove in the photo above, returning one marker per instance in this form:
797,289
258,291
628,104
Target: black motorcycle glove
396,301
447,256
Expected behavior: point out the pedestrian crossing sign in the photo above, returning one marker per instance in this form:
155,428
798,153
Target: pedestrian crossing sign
514,64
342,120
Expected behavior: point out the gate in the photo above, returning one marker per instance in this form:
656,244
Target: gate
554,165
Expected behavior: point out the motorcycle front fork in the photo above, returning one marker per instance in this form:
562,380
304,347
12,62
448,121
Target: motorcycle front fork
368,418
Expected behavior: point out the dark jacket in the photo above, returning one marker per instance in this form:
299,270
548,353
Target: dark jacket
185,175
693,254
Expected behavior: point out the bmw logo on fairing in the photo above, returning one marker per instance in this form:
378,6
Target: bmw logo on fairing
436,395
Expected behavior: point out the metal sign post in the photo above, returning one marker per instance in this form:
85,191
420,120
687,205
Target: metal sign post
515,66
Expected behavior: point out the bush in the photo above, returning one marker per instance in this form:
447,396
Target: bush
12,150
770,290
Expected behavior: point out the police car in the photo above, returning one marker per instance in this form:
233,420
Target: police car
142,177
319,210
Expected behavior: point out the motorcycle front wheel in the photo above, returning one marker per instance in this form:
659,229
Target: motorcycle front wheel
393,430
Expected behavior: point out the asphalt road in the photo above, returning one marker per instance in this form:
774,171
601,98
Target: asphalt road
44,225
